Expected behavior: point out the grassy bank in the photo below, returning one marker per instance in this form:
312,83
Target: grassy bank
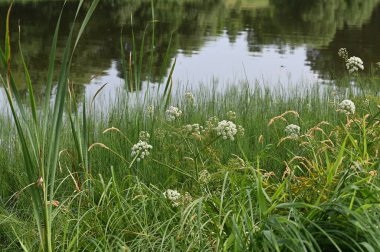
264,190
247,169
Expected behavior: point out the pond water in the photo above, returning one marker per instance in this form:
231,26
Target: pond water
272,41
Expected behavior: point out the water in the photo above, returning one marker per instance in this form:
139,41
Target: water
270,41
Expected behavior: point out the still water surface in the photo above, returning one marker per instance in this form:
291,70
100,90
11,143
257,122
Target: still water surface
272,41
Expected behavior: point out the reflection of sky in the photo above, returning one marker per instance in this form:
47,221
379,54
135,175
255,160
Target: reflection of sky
226,62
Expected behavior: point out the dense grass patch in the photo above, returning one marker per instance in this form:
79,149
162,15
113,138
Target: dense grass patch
264,190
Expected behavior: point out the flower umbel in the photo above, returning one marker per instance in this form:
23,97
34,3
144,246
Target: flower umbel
150,110
226,129
343,53
204,177
353,64
172,113
347,107
173,195
144,136
193,129
141,150
189,97
293,130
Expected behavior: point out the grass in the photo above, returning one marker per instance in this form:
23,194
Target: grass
70,183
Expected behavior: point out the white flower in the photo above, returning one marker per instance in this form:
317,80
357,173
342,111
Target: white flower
141,150
343,53
226,129
144,136
189,97
353,64
172,113
204,177
293,130
150,110
193,129
347,107
173,195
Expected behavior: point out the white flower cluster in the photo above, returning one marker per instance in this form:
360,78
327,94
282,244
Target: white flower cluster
173,113
347,107
292,130
353,64
342,52
141,150
150,110
189,97
173,195
193,128
226,129
144,136
204,177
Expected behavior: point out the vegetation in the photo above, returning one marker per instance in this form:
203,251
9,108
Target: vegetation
178,170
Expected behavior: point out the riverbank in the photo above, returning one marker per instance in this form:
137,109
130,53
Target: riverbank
245,170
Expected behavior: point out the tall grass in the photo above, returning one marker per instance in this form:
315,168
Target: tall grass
39,132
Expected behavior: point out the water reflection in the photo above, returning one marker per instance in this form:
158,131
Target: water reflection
272,39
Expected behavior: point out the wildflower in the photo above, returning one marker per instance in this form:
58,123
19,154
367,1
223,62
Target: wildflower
172,113
231,115
193,129
353,64
293,130
347,107
226,129
204,177
343,53
141,150
150,110
144,136
173,195
189,97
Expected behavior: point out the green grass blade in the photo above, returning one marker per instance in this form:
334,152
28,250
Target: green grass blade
28,82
